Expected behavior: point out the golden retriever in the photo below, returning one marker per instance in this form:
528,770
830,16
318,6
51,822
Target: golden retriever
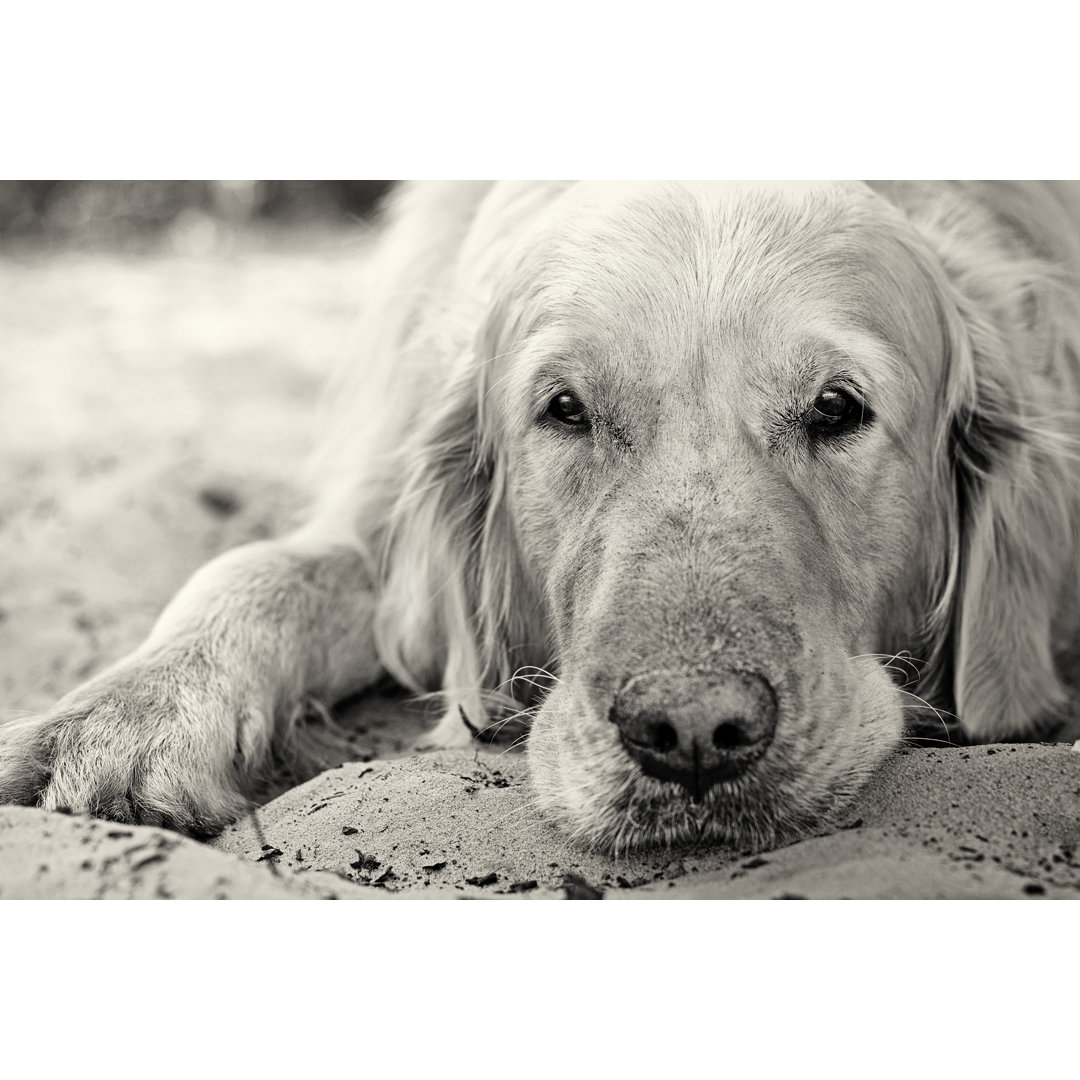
673,470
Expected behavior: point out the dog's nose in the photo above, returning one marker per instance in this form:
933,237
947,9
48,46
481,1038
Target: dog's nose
695,730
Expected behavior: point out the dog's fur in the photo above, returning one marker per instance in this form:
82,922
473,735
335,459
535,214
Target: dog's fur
466,543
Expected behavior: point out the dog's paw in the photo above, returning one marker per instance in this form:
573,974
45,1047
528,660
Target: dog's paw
145,745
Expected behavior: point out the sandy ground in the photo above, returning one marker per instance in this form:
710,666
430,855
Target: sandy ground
156,410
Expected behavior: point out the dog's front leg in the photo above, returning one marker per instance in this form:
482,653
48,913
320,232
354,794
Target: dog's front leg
178,732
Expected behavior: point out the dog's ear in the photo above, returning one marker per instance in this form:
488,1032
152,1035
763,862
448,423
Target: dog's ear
1007,476
457,610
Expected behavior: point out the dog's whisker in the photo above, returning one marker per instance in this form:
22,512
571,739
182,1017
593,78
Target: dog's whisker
922,703
521,740
922,707
921,740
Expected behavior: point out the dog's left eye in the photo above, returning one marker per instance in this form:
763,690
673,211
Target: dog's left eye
569,409
836,410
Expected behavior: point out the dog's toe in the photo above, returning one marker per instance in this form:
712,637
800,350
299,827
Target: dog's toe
122,757
24,768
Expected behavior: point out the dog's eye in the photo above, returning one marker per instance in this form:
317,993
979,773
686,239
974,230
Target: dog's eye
836,410
568,409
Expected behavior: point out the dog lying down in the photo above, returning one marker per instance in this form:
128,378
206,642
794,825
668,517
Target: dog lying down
679,472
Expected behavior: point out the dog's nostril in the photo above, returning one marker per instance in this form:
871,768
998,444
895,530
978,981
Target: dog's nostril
730,736
663,737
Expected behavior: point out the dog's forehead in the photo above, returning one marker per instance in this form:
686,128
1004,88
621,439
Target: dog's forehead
672,280
687,267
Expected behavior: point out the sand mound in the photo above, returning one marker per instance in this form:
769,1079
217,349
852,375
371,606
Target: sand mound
996,822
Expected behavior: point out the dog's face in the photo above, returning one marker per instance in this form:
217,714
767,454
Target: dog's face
710,409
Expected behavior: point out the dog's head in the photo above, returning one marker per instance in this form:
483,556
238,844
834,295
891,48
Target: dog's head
715,454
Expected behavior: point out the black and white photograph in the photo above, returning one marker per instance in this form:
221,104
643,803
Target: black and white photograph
540,539
467,546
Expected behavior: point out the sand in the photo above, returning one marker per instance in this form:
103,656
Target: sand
995,822
156,410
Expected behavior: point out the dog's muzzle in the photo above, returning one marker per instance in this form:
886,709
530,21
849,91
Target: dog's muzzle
693,729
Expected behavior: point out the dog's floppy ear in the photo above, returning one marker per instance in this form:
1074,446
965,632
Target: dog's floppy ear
457,610
1007,474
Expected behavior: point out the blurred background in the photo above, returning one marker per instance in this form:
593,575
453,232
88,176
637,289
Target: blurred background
190,216
163,351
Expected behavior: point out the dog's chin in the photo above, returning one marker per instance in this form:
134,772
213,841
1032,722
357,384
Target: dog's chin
617,808
587,785
648,813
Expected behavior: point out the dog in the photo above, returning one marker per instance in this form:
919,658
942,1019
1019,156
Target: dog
684,475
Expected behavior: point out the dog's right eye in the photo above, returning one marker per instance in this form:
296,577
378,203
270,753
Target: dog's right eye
837,412
568,409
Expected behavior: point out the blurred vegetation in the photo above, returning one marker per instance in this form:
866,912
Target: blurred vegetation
184,215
